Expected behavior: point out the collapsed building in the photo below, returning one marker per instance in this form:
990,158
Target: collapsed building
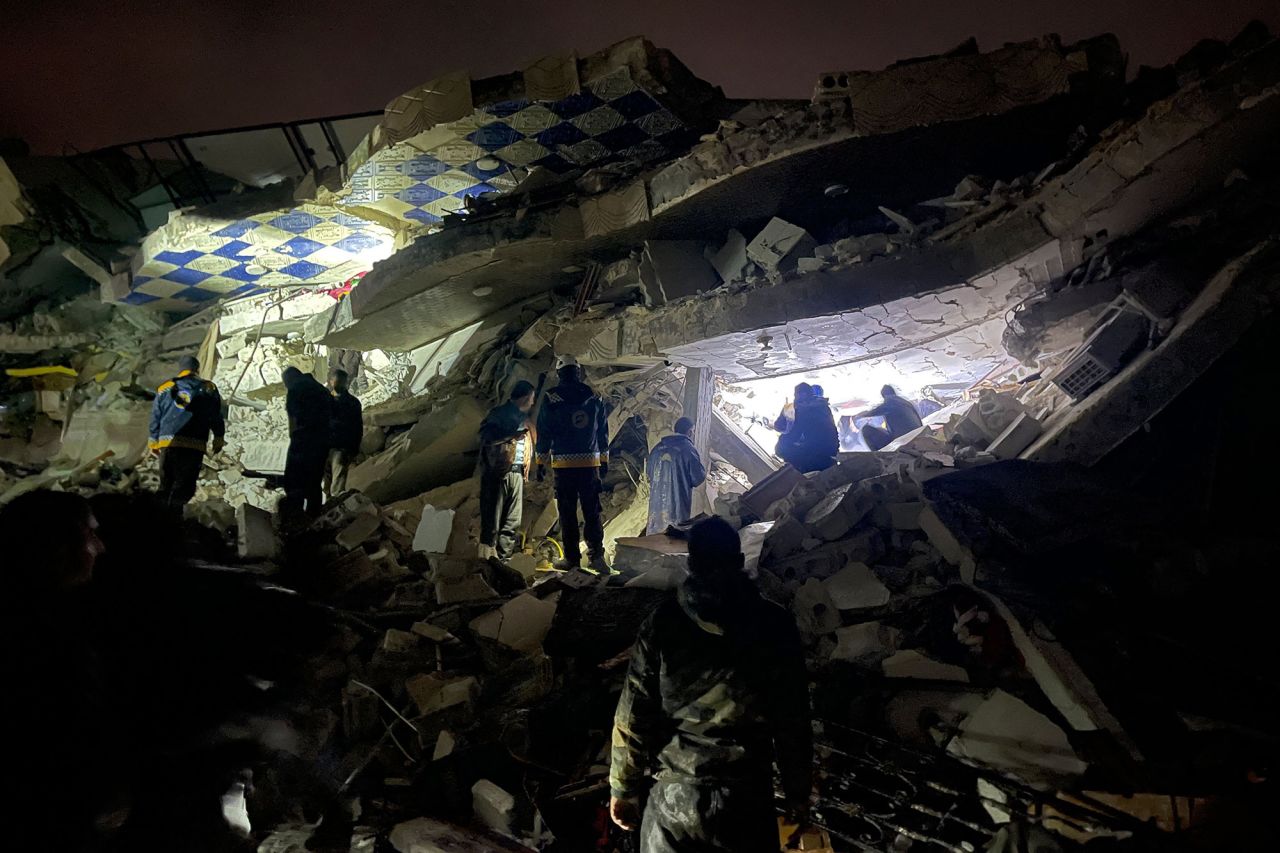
1005,611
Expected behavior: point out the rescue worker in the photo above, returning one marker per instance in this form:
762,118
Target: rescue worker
346,428
715,694
900,418
186,409
674,469
308,405
809,440
504,466
573,436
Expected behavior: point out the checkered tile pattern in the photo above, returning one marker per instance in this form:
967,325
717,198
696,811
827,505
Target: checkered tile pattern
612,118
310,244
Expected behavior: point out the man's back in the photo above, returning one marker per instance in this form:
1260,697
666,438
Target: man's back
346,421
573,427
713,706
308,405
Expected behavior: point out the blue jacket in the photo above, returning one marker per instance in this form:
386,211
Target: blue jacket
573,428
186,409
674,469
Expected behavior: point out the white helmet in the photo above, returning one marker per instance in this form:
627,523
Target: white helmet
566,361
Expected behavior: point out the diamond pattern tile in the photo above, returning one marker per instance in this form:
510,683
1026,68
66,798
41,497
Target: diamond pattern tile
420,181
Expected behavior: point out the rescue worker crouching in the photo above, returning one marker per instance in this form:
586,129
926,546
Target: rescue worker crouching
186,410
573,436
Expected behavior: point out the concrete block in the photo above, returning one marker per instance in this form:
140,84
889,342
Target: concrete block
780,245
359,531
867,642
771,489
433,692
905,515
347,573
521,624
256,538
856,587
671,269
910,663
731,260
433,531
805,265
434,633
948,545
837,513
494,807
1016,437
1006,734
397,641
470,588
433,453
816,614
785,538
445,745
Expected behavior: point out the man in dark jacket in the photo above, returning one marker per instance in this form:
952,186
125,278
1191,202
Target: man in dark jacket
186,410
346,428
809,440
900,418
716,693
504,466
573,436
308,405
674,469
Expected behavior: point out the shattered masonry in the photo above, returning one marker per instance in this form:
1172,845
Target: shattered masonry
1078,268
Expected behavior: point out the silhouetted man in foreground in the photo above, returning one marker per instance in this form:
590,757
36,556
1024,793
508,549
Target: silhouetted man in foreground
716,694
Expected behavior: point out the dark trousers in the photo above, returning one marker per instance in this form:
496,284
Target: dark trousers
335,472
501,510
875,437
303,471
576,486
684,818
179,471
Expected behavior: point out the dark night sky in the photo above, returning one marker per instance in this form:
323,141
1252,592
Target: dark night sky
97,73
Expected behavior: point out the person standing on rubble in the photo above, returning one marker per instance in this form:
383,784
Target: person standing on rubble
308,405
900,418
573,436
809,440
504,466
715,694
674,470
346,428
186,410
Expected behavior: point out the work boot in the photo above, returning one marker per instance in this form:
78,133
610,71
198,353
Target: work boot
564,564
598,565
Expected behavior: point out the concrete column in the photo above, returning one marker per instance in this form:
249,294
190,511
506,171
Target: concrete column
699,387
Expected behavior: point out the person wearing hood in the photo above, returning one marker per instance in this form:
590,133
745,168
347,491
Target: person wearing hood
809,440
900,418
715,695
674,469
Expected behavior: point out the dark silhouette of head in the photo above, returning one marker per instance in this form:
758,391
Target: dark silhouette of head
291,376
522,395
887,392
684,426
804,391
338,380
189,363
51,541
818,392
717,591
